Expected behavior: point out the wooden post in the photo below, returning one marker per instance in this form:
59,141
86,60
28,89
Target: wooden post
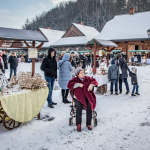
107,56
94,57
33,61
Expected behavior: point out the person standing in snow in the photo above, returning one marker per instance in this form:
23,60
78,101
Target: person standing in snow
113,76
123,68
72,62
65,68
13,64
134,81
49,66
83,96
4,61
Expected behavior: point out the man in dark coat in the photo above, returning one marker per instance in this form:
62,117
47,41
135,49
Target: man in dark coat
49,66
123,67
13,64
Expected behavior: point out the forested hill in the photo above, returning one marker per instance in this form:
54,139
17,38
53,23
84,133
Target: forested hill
91,12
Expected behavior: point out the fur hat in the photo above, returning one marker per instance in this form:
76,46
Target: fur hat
77,71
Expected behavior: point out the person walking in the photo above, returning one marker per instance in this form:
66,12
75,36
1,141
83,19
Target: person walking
13,64
113,76
3,60
49,66
134,81
123,68
65,68
72,62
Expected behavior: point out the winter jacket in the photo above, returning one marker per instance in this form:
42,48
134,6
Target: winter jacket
73,64
124,67
133,78
5,61
83,61
13,61
77,60
49,65
83,93
132,59
88,58
113,72
1,67
65,68
97,64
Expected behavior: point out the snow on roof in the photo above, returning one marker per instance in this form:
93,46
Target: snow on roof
71,41
51,35
125,27
88,31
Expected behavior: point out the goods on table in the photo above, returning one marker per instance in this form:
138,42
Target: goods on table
25,81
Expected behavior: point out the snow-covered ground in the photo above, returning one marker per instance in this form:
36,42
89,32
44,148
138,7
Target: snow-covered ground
123,124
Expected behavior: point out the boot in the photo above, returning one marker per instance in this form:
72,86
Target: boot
127,92
89,127
79,127
133,94
111,92
63,95
137,93
66,95
50,106
116,93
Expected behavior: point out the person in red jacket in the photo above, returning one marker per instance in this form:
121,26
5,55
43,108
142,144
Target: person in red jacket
84,97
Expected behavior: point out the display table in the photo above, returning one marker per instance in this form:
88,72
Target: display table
102,82
22,107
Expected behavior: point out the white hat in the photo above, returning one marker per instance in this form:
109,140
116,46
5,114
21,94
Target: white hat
1,51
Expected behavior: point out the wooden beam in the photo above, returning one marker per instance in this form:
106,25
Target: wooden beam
94,57
33,60
28,46
38,47
1,42
33,44
107,55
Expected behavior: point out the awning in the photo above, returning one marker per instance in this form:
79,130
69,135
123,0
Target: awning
137,51
103,43
24,35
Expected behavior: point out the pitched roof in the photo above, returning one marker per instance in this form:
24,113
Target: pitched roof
126,27
88,31
18,34
51,35
71,41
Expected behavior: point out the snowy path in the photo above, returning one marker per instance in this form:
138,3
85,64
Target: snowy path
123,124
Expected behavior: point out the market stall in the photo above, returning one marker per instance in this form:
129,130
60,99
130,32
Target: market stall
22,98
142,54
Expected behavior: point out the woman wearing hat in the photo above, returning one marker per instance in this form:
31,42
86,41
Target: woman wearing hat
84,97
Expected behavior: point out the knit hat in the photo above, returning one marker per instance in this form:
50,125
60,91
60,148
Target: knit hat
134,70
113,61
97,56
77,71
72,52
1,51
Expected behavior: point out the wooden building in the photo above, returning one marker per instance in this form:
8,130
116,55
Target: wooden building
75,38
128,31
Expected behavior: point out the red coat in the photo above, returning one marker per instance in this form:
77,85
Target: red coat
82,93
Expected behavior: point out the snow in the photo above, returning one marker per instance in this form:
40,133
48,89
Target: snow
123,123
88,31
51,35
70,41
126,27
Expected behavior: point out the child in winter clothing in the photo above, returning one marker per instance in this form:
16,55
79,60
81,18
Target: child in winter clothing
134,81
113,75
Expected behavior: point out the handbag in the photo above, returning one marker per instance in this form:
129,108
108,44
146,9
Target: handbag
56,87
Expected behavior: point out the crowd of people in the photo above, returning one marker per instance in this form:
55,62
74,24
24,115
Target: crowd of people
80,85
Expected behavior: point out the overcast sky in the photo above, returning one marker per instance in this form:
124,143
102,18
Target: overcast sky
13,13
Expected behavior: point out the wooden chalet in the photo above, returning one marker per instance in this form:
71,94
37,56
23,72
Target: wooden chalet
128,31
75,38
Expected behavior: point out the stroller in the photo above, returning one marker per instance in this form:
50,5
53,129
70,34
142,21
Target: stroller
73,112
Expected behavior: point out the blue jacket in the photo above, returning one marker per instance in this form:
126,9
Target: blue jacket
113,72
64,71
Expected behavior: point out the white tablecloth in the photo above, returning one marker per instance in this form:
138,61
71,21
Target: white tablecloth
101,79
